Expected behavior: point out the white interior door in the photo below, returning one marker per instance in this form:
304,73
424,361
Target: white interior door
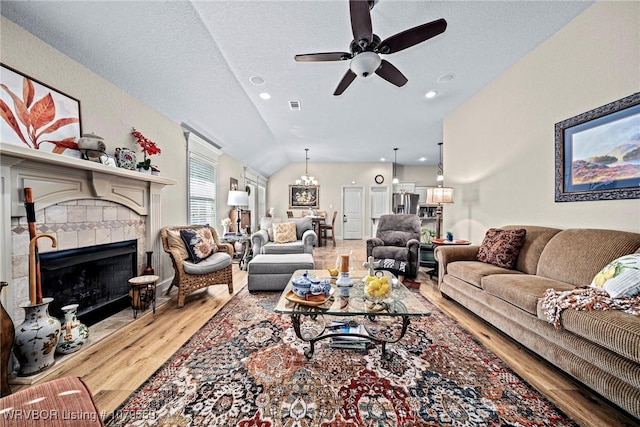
380,204
352,212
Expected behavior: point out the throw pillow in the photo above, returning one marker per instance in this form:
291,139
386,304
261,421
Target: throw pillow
199,242
175,242
501,247
621,277
284,232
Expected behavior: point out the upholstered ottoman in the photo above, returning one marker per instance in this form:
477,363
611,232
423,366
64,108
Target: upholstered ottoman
269,272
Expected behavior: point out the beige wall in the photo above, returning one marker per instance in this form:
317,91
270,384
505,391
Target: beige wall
111,113
332,177
499,146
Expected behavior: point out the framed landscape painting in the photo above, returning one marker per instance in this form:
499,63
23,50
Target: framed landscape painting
304,196
37,116
598,153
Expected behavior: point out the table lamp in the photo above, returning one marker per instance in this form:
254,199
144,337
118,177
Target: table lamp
439,196
238,199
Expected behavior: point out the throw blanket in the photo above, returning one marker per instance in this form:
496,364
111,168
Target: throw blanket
585,298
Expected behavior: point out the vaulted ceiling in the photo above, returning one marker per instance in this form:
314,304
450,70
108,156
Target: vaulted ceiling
205,64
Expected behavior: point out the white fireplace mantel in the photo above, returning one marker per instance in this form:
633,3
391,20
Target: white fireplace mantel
56,178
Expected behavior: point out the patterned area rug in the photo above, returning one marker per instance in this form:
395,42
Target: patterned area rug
246,367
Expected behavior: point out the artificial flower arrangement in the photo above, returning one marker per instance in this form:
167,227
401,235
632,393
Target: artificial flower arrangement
148,148
226,222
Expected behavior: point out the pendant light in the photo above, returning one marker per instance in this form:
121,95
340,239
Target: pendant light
395,159
306,180
440,177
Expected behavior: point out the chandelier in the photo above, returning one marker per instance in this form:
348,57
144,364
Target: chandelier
306,180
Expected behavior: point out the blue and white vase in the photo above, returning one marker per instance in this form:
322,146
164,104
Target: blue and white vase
73,333
36,338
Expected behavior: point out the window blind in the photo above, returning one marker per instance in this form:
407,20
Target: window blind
202,190
202,159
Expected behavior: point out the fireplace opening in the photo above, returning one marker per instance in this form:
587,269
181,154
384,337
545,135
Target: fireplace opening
95,278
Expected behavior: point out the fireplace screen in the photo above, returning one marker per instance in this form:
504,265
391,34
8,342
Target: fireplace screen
96,278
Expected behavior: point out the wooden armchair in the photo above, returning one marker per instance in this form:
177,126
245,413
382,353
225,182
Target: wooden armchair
189,276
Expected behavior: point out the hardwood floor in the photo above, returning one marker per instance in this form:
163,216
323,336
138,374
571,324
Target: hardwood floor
118,364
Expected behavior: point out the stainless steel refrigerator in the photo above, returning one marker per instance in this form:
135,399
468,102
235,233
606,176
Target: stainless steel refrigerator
406,203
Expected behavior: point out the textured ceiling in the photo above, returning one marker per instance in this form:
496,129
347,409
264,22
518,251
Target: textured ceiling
192,61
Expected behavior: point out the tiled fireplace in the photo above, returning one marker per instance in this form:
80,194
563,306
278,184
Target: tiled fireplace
84,204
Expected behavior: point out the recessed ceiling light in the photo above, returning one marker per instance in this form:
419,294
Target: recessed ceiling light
422,159
431,94
382,159
446,78
265,95
256,80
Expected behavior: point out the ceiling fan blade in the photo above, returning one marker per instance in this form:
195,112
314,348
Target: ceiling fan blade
349,77
327,56
361,21
391,74
412,36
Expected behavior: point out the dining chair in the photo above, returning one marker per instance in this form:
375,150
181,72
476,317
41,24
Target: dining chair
324,228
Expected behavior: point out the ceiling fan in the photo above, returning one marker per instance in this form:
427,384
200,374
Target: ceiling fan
366,47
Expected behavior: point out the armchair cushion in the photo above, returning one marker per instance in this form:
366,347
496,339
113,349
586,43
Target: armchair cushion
199,243
215,262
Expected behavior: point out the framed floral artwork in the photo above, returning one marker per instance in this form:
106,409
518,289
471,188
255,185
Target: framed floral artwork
598,153
36,115
304,196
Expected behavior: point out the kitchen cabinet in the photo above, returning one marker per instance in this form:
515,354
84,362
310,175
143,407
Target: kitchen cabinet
407,187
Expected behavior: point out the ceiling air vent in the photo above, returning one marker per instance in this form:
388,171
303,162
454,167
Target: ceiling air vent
294,105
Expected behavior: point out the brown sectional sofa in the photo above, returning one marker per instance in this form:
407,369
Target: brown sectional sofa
599,348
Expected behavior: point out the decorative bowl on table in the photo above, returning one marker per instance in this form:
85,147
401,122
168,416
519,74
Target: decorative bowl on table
376,288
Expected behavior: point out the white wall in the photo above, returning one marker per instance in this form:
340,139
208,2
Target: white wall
499,146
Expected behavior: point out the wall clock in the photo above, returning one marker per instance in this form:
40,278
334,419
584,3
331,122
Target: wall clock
379,179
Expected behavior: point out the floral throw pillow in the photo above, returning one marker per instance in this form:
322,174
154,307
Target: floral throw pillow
621,277
501,247
199,242
284,232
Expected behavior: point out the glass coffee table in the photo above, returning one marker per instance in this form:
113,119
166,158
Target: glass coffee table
350,316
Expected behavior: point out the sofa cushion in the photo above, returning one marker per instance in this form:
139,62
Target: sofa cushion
474,271
521,290
621,277
576,255
215,262
613,329
284,232
501,247
199,243
536,239
296,247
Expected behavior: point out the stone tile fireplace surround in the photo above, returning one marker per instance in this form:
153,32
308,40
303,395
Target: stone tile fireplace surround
82,203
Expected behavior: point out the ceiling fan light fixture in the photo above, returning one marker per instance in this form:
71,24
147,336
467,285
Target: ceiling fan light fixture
366,63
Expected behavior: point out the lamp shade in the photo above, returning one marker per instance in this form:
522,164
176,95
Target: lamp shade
238,198
439,195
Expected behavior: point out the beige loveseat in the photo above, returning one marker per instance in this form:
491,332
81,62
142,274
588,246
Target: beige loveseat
599,348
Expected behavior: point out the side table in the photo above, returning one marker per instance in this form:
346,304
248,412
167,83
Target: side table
244,256
142,293
443,242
